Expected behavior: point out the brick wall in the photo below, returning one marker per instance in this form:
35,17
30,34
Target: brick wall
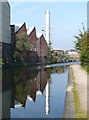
28,57
43,49
33,40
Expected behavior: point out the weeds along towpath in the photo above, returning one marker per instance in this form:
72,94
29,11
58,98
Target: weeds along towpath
79,76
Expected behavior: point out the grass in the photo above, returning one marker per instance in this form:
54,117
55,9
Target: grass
78,112
85,68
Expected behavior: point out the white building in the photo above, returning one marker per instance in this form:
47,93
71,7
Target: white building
5,33
72,52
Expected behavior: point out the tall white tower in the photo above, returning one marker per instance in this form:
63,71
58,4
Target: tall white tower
47,27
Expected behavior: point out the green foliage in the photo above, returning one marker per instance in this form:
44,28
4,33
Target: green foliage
22,45
54,59
86,68
22,42
5,60
82,44
49,52
16,55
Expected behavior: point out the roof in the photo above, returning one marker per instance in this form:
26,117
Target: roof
39,35
22,25
29,30
17,26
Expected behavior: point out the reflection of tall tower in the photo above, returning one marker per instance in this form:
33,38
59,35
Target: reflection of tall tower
47,95
47,27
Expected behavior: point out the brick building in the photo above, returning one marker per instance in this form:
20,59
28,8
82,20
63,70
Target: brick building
42,48
33,39
39,49
30,57
22,29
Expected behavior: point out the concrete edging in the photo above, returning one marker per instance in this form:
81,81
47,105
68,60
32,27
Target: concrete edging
69,108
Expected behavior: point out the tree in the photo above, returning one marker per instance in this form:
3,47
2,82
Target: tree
82,45
22,42
49,52
22,45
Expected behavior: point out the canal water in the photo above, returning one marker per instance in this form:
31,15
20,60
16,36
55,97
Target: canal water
34,92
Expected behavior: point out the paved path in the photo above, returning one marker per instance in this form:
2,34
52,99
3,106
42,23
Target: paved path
81,85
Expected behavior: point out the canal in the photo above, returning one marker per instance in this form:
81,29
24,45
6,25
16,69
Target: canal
34,92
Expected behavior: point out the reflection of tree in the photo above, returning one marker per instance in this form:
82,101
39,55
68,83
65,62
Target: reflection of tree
24,82
58,69
22,90
49,74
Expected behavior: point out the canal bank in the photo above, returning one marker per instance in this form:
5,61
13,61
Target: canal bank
76,93
69,108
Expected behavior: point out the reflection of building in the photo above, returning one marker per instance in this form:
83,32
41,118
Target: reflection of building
42,80
38,85
24,84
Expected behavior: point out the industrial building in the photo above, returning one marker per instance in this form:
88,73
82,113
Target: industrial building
5,32
38,52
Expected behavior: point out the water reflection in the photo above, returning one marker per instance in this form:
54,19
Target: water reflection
27,92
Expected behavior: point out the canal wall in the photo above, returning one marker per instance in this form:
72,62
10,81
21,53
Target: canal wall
69,109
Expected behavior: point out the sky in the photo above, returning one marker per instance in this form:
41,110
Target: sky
66,19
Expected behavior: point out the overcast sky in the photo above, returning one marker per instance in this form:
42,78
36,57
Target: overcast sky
66,19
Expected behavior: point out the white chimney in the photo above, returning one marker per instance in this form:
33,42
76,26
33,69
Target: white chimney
47,27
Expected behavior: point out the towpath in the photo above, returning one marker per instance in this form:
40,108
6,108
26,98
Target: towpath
81,78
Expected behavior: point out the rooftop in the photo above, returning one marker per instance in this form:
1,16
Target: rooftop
29,30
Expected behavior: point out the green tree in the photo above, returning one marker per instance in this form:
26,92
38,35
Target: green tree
22,42
22,45
82,45
49,52
53,59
